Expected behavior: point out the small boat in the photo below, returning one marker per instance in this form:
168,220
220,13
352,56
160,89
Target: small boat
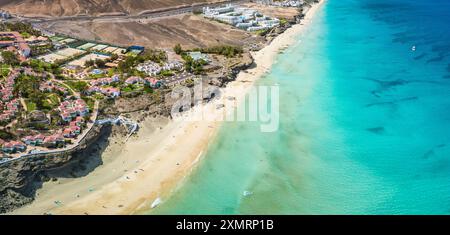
156,202
413,48
247,193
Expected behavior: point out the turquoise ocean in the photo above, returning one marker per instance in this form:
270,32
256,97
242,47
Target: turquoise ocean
364,122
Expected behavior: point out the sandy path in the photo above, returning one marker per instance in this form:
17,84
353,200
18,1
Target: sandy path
156,161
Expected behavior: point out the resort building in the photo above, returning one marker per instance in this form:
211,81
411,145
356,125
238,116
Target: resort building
153,82
229,19
53,141
4,15
173,65
51,87
150,68
244,26
9,106
134,80
196,56
104,81
13,147
15,40
110,92
243,18
72,131
71,109
209,11
36,140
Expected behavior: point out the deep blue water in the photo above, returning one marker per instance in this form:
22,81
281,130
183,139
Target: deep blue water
364,122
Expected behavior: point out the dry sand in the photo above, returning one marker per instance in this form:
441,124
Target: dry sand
153,164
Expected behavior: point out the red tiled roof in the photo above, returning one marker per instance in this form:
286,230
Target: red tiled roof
39,136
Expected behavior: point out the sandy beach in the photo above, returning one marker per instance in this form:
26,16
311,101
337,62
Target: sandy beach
154,163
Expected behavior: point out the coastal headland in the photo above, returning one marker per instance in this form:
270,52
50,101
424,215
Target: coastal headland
133,174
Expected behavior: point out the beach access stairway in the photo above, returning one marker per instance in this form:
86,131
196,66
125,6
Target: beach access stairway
131,126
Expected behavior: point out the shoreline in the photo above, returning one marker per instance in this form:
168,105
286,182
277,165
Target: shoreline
157,161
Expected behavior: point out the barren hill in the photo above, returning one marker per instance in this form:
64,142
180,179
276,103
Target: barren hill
88,7
188,30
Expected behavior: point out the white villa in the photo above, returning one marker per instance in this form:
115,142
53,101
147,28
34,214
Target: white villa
243,18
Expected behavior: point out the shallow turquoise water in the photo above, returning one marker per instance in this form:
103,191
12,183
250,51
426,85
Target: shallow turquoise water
364,127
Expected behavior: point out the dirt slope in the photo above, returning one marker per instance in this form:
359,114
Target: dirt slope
188,30
89,7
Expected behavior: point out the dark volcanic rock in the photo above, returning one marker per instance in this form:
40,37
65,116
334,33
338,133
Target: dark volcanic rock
20,178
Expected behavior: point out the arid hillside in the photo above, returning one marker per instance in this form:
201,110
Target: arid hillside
40,8
188,30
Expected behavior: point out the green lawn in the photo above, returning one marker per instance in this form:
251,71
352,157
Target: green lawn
76,85
30,106
25,35
97,76
90,102
54,100
98,96
148,89
133,87
4,70
111,72
283,21
167,73
127,89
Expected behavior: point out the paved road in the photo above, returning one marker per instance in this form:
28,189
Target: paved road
146,15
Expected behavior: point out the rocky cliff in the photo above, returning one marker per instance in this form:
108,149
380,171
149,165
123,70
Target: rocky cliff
20,178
